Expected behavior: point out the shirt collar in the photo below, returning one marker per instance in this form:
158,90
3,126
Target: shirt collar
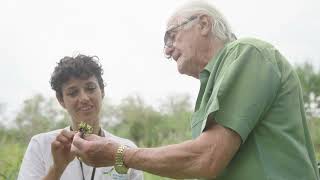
209,67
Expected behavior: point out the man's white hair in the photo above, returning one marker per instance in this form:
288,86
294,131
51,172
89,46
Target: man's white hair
220,26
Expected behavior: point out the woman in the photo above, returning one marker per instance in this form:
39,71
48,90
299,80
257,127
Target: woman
79,89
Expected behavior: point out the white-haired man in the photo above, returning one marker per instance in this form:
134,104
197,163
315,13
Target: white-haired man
249,121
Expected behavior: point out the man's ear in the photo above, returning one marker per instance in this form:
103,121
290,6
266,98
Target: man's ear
206,24
60,99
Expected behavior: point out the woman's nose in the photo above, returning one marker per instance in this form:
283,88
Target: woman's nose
84,96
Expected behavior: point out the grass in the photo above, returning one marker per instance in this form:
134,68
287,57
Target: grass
10,159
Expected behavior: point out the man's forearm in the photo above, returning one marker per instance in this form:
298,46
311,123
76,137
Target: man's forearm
185,160
204,157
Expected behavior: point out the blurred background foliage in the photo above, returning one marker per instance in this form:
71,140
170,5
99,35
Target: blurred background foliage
132,118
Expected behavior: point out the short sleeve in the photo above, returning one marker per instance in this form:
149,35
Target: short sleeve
32,167
245,90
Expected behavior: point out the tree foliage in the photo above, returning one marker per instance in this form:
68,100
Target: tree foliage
310,82
38,115
150,127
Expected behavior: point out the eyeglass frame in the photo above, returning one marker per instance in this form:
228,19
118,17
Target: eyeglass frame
167,33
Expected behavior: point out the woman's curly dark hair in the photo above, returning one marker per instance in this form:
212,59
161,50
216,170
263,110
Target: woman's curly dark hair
80,66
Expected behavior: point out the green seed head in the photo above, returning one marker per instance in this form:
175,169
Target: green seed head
85,128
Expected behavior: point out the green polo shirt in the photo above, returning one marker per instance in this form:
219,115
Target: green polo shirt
250,88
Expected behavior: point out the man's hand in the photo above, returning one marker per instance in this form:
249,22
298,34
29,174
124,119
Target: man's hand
95,150
60,149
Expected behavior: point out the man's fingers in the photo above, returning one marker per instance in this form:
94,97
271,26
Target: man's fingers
91,137
78,142
75,150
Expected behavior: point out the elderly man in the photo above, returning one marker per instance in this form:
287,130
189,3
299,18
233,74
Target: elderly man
249,121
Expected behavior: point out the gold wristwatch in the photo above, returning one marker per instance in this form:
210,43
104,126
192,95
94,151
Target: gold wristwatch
119,164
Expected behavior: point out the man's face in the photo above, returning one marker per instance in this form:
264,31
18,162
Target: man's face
184,44
82,99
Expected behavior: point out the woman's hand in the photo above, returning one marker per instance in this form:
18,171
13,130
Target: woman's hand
60,149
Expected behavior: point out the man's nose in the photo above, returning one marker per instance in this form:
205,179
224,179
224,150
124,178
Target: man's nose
168,51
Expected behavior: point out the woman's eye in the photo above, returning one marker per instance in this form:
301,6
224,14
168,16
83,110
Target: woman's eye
91,88
72,93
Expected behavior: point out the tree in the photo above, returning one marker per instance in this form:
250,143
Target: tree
310,82
149,127
177,112
138,121
39,115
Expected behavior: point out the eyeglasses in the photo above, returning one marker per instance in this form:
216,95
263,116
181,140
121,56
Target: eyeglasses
169,38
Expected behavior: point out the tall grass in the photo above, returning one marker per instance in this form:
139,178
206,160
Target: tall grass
11,155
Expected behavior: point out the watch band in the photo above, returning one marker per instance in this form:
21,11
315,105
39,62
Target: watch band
119,161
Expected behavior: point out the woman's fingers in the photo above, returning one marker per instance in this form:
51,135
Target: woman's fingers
68,134
63,139
56,145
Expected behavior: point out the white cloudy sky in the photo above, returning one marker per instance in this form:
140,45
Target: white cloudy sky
128,37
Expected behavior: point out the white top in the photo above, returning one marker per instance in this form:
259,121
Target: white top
38,159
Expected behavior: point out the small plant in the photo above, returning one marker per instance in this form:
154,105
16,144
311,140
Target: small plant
85,129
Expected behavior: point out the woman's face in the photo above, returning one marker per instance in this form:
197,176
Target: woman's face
82,98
